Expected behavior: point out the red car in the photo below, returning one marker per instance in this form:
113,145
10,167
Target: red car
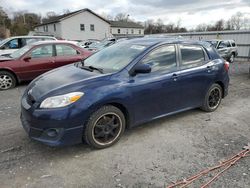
37,58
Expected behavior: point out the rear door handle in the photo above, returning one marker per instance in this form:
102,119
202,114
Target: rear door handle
175,76
209,68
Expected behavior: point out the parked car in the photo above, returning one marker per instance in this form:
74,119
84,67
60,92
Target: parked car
124,85
35,59
85,44
226,48
101,45
12,44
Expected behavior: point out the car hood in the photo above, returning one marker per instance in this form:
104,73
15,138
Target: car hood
5,58
60,81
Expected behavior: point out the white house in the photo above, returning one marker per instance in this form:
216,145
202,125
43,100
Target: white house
85,24
122,28
79,25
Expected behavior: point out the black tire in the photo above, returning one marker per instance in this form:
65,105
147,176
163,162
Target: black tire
213,98
231,58
96,134
7,80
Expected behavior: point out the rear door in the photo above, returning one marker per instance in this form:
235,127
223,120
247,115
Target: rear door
39,60
195,76
66,54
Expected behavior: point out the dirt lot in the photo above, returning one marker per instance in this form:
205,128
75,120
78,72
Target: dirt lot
152,155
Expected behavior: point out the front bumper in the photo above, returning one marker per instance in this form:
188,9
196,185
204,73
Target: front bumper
57,127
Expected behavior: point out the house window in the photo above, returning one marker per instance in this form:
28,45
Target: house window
139,31
92,27
118,30
54,27
46,28
82,27
132,31
127,31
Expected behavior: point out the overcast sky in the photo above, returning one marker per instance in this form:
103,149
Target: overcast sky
191,12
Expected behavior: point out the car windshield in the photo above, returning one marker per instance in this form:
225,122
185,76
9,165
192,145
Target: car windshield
18,53
214,43
3,41
115,57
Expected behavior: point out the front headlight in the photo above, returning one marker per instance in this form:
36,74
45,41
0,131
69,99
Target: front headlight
61,100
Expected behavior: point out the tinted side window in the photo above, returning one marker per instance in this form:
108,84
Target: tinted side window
163,58
43,51
65,50
192,56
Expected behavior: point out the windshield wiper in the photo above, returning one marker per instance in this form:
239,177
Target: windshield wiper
95,68
88,68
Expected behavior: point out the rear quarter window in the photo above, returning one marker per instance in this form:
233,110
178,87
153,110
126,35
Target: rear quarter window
191,56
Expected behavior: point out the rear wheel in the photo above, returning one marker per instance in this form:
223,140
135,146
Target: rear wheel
105,127
213,98
7,80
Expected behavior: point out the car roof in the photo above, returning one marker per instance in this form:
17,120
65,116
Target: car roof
221,40
151,41
29,36
53,42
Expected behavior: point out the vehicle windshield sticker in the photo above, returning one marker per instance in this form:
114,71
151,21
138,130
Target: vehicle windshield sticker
137,47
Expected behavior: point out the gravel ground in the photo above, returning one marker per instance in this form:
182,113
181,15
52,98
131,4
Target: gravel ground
151,155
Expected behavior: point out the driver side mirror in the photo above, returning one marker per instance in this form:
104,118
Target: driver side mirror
27,58
140,69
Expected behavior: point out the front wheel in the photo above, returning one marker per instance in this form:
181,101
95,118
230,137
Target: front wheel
7,80
213,98
105,127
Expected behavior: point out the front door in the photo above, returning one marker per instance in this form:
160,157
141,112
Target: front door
156,93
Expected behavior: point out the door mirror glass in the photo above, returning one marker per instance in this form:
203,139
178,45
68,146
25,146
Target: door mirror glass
140,69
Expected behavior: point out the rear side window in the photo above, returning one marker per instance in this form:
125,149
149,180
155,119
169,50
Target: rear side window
162,59
191,56
65,50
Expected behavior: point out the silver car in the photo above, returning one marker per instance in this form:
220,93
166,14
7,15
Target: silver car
226,48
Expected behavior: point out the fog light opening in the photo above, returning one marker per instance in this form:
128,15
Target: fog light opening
52,133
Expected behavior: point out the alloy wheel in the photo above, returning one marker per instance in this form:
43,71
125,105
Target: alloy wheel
107,128
214,98
5,82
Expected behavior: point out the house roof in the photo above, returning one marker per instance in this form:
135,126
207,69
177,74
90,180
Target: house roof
65,16
124,24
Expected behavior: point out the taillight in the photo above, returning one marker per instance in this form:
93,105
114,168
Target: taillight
226,65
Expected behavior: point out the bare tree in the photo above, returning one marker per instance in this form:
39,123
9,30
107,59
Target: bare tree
237,21
122,17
